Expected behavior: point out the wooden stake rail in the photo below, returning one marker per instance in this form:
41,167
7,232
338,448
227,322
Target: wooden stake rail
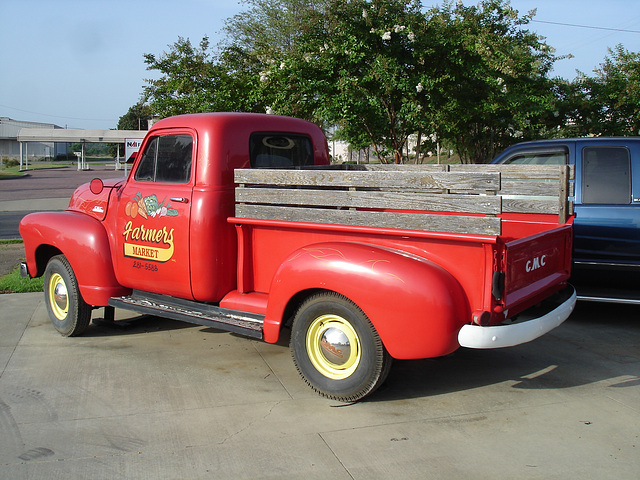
473,195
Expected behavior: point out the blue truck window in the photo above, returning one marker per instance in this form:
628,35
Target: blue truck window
538,158
606,175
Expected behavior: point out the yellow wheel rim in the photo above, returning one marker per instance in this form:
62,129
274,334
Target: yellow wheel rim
333,347
58,297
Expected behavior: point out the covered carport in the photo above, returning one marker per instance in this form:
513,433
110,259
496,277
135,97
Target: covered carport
74,135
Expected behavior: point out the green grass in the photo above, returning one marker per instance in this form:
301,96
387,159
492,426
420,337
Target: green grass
14,170
14,283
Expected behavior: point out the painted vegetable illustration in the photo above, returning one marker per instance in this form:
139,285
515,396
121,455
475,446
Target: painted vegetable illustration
148,207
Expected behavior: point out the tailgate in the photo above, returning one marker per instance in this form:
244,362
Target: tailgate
536,266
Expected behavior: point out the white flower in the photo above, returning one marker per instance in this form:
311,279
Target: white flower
386,36
419,108
399,28
364,13
270,111
264,76
419,87
282,65
411,36
373,30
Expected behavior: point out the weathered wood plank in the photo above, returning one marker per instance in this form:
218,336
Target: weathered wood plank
372,199
342,194
551,172
527,204
390,167
409,221
532,188
479,182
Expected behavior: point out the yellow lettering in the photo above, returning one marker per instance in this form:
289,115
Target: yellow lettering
151,235
127,230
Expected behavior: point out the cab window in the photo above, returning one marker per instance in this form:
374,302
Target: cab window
278,150
166,159
606,173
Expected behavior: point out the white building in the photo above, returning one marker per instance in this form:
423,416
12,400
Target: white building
10,147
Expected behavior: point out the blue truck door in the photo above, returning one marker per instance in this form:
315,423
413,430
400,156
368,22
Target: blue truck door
607,203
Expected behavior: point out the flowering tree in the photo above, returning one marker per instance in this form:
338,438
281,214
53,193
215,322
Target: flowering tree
384,69
493,83
356,68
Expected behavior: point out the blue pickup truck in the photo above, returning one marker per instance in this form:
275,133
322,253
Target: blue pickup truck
606,246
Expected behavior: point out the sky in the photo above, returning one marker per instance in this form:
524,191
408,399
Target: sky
80,63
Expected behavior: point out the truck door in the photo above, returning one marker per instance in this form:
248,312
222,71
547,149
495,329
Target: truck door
607,204
153,217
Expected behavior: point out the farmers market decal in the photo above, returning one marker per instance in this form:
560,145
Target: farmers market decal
148,241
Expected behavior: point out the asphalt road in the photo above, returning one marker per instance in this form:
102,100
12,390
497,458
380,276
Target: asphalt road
9,222
42,190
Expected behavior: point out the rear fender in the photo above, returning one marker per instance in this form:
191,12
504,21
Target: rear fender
416,306
83,240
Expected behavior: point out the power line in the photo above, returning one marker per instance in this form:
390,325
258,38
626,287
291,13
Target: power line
586,26
58,116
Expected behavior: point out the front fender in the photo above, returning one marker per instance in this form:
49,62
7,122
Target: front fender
416,306
83,240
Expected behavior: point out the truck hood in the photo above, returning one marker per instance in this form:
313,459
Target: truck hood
84,200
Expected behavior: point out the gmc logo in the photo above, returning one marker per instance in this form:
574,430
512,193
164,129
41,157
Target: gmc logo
535,263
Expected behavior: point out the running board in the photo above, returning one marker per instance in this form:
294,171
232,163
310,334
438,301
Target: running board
243,323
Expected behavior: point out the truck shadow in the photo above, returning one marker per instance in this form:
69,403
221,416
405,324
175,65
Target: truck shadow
132,326
598,343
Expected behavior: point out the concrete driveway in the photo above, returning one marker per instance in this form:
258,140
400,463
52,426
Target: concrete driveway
158,399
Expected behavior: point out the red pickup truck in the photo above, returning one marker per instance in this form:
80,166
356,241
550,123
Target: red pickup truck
238,222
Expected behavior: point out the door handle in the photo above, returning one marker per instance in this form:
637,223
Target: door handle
179,199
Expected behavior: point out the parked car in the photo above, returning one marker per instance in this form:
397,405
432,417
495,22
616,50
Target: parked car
606,249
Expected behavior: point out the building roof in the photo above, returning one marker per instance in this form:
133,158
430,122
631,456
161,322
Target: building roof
76,135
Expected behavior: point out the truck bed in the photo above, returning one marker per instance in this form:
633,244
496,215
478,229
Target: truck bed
469,220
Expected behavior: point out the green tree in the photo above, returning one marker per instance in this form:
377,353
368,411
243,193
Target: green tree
188,79
609,102
270,26
493,83
136,117
355,67
384,69
379,70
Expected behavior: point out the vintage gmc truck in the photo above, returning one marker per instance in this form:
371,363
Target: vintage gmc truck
238,222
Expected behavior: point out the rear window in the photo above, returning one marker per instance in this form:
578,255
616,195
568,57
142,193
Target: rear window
278,150
538,158
606,173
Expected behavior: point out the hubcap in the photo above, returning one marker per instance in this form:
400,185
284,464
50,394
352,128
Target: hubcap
58,298
333,346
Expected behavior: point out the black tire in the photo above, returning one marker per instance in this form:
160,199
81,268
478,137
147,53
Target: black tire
68,311
336,349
